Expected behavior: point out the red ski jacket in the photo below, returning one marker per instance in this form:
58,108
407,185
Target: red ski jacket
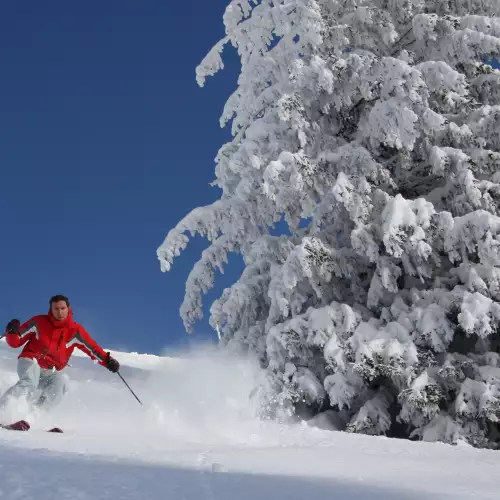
52,342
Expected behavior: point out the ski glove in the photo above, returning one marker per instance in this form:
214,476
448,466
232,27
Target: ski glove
111,364
13,326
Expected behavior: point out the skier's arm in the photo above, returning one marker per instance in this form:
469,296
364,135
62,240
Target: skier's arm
17,335
91,348
83,341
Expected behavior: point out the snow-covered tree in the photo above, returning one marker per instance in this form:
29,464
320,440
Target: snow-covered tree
372,128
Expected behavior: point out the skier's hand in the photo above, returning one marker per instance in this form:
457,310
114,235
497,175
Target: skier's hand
13,326
111,364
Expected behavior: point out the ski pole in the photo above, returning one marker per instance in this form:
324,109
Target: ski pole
128,387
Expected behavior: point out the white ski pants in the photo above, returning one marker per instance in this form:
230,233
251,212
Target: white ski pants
42,388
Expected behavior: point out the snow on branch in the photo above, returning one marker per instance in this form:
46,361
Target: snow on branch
212,62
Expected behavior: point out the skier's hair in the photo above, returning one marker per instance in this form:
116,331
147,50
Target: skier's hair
58,298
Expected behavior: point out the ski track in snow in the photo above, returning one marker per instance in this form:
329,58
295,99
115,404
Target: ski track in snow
196,439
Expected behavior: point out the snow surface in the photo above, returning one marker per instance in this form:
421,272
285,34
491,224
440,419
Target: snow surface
196,439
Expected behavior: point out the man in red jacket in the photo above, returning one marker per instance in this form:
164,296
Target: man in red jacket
49,341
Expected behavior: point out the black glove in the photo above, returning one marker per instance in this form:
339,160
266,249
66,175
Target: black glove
13,326
111,364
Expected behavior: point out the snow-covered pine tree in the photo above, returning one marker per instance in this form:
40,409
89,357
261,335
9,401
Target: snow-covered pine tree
372,127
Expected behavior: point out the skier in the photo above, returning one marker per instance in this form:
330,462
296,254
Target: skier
49,341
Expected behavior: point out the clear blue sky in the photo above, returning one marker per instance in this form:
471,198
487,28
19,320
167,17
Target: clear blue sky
106,141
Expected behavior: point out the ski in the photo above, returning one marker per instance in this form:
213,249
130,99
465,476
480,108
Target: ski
21,425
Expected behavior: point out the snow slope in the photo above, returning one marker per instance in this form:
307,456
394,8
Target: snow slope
196,439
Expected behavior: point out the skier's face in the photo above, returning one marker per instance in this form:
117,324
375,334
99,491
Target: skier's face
60,310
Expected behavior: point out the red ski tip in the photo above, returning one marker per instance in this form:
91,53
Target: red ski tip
56,429
21,425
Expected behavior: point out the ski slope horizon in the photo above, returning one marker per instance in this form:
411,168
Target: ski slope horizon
197,437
